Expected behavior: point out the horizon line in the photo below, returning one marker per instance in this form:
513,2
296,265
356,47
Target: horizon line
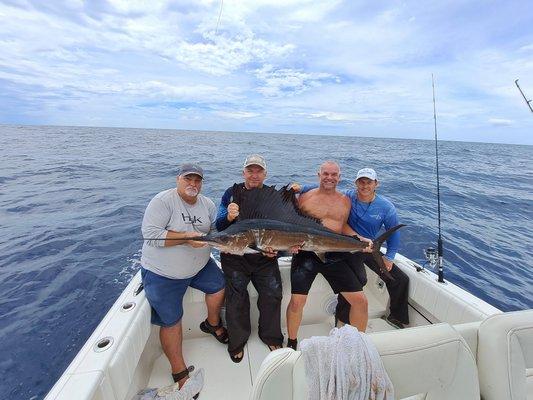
262,132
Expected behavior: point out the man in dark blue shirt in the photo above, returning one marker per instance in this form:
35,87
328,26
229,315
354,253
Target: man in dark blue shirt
261,269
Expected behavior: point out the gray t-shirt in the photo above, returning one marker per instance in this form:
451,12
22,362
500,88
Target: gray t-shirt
168,211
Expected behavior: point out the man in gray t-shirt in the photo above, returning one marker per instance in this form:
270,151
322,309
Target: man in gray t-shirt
171,262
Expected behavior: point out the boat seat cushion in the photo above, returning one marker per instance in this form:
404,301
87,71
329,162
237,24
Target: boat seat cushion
469,333
433,362
505,356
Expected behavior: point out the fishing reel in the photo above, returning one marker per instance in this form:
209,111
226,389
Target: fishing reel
432,257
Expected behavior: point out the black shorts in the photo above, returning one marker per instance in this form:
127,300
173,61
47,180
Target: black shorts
306,265
355,262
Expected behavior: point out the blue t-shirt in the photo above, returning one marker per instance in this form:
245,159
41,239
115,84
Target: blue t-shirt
367,219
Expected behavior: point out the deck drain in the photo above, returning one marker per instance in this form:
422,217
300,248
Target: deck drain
103,344
128,306
330,305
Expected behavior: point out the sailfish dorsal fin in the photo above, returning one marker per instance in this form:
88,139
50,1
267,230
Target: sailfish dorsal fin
268,202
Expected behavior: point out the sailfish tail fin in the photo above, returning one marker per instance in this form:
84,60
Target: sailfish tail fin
376,253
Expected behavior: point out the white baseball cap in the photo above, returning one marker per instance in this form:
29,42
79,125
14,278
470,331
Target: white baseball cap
367,173
255,159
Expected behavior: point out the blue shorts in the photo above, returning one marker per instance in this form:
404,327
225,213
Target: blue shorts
165,295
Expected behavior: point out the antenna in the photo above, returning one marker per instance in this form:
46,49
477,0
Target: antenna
528,102
433,256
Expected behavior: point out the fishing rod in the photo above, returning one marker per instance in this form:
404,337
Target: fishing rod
433,256
528,102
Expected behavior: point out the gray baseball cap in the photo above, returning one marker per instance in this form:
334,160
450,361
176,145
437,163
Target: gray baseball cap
367,173
191,169
255,159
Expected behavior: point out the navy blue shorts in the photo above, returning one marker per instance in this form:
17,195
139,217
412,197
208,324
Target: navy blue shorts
165,295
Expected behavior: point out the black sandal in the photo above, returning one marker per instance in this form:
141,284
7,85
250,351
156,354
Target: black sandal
206,327
184,374
292,343
273,347
234,357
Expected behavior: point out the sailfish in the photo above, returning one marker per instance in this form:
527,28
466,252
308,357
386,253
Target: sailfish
269,219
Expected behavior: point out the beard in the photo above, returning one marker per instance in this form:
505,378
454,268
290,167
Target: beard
191,191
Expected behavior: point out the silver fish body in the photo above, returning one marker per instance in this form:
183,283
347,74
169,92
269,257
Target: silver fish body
263,234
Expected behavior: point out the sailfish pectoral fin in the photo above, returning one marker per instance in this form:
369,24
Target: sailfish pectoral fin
321,256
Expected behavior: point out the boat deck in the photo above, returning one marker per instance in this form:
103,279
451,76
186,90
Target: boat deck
223,375
234,380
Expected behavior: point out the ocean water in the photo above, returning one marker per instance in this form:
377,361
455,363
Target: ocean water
72,201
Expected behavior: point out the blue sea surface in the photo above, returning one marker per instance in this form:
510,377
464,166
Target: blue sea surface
72,201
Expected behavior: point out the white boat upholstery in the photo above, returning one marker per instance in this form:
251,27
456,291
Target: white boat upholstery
469,333
430,362
443,302
505,356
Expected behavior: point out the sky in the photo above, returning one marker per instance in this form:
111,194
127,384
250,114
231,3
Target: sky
361,68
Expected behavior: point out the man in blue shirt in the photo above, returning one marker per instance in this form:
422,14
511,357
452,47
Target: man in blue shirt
369,213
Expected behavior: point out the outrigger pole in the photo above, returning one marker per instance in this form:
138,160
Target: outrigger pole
439,242
528,102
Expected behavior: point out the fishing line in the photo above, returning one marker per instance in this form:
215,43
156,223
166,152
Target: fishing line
219,15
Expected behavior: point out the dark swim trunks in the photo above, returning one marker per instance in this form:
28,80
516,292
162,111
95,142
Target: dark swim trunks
306,265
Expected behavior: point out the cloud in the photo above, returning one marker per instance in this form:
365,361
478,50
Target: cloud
526,48
313,11
219,55
346,117
199,93
236,114
500,122
288,81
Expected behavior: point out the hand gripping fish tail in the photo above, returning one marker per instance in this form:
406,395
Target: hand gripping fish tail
376,253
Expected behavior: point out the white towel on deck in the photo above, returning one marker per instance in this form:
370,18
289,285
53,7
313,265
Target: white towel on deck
345,366
192,386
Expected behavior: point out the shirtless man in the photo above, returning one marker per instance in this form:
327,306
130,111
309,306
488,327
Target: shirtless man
333,209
